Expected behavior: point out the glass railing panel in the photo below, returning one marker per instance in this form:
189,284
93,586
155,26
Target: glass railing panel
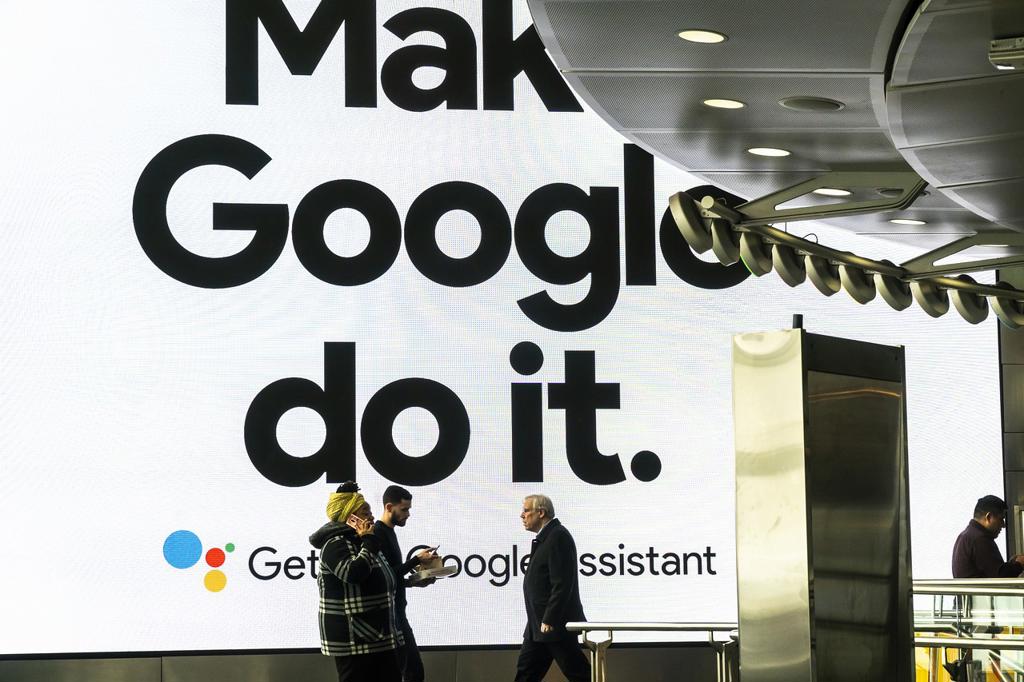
969,630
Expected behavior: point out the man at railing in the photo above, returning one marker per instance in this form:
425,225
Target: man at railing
975,553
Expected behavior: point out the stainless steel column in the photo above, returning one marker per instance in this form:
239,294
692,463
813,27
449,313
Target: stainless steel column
822,533
1011,365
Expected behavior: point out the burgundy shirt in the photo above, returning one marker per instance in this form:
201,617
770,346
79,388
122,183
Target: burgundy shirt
976,555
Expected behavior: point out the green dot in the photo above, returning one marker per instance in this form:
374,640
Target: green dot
230,547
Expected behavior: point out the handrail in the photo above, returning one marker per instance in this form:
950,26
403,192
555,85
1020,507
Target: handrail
599,650
969,582
649,626
983,591
992,587
970,643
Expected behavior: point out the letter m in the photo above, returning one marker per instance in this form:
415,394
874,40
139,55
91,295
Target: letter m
302,49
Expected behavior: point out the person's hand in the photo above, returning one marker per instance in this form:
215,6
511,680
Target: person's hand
363,527
424,582
544,627
426,555
1019,559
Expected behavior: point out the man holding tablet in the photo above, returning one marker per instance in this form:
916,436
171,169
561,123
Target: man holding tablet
397,509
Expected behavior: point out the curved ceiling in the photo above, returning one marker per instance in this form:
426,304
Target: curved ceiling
915,81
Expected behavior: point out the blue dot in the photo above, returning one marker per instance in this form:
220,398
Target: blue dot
182,549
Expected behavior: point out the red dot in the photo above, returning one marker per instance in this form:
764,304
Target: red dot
215,557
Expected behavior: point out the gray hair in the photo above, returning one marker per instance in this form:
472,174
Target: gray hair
543,502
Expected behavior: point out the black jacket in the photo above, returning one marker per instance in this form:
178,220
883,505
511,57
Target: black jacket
551,585
391,550
357,593
976,555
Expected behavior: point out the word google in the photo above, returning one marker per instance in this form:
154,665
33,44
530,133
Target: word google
598,261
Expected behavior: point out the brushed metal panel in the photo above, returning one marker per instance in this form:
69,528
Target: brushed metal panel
1013,454
264,667
661,664
673,101
82,670
1014,276
1013,493
1011,346
656,664
843,36
856,463
1013,398
772,527
439,665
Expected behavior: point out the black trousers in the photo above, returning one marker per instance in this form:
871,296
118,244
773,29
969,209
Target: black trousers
409,661
535,659
379,667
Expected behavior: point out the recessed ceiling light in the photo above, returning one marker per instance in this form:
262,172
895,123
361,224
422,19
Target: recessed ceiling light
724,103
907,221
768,151
833,192
694,35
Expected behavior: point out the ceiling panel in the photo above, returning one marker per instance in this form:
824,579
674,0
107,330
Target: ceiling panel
957,110
943,112
945,46
643,101
940,5
811,150
970,162
999,201
951,221
808,35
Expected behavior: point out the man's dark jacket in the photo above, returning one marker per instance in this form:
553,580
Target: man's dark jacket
976,555
393,552
551,585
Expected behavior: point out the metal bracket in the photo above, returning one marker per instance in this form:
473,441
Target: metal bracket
924,265
765,210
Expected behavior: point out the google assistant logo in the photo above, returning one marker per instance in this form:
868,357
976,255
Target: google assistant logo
182,549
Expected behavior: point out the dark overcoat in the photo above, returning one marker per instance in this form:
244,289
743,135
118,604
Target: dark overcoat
551,586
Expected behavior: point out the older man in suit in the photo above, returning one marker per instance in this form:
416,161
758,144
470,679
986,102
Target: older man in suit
552,592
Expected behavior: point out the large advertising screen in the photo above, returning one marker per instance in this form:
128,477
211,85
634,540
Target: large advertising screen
256,248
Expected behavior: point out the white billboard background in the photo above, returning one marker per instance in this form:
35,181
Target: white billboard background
125,391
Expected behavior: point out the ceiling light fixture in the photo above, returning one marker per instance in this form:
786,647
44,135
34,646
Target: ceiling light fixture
724,103
695,35
812,104
833,192
768,151
907,221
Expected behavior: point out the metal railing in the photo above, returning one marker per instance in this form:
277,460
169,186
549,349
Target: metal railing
964,627
598,649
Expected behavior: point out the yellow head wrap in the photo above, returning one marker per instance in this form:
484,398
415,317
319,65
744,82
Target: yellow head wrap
340,505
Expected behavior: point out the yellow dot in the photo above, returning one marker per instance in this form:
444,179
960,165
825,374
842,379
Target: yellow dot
215,580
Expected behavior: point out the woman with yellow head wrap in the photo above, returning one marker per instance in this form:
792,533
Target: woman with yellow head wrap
341,505
357,592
